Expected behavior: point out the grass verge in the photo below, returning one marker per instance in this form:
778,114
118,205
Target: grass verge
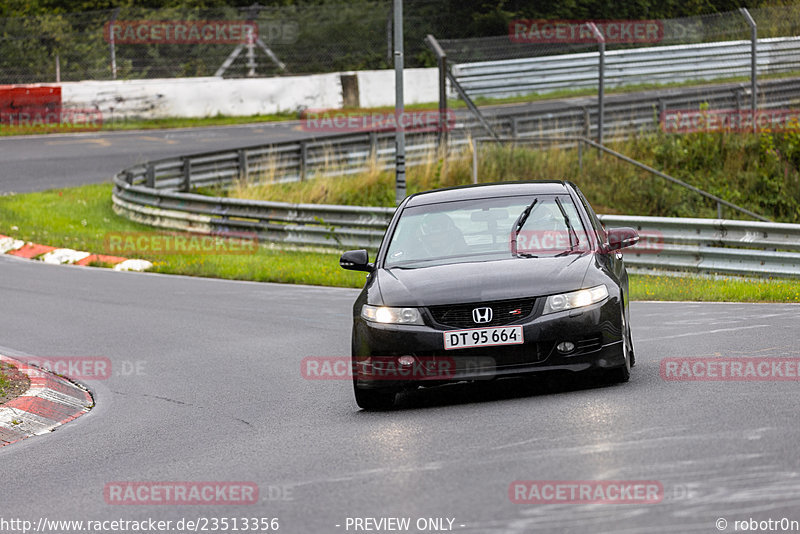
12,382
760,172
81,218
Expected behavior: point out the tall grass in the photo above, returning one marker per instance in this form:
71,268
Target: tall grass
760,172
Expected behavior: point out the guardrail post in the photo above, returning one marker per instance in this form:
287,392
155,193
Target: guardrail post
737,93
580,155
514,127
244,167
587,126
186,186
303,160
150,176
719,210
662,110
474,161
373,144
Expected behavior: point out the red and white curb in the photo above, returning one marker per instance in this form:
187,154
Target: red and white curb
48,254
50,402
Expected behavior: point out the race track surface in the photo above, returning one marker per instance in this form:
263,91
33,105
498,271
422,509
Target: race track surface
219,396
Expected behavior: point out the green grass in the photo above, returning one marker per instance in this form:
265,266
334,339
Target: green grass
81,217
730,289
4,382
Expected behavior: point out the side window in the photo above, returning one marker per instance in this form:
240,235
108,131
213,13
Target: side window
596,223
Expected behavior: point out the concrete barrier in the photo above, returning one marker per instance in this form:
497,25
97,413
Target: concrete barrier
210,96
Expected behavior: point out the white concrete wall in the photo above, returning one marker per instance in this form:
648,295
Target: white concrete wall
210,96
376,87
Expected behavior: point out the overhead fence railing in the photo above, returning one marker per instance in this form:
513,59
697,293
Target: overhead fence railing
636,66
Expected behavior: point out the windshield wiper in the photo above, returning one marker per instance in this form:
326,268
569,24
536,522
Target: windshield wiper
518,224
570,229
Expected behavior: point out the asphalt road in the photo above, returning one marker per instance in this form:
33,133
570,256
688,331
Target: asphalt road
40,162
220,397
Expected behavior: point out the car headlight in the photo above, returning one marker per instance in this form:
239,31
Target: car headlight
383,314
575,299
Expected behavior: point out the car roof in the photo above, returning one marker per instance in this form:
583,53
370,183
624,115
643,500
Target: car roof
489,190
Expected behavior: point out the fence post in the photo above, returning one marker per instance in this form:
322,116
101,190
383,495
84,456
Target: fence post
111,48
441,57
753,62
601,80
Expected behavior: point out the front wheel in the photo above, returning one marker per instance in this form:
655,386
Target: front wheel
623,372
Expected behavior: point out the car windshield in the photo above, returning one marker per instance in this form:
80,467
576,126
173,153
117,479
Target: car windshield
485,230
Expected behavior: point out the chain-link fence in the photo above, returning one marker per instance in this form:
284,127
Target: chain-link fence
137,43
535,38
538,56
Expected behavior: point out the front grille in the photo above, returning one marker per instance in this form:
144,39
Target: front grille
503,312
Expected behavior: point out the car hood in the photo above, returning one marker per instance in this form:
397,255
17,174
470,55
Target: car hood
482,281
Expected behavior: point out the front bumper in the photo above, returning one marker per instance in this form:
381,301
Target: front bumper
596,332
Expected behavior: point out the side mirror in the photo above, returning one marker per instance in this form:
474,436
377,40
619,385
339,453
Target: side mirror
356,260
619,238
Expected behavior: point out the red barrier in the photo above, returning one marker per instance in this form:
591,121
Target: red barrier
33,100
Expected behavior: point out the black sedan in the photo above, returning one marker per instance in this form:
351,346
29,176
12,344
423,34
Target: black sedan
490,281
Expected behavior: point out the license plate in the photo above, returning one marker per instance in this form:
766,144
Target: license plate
483,337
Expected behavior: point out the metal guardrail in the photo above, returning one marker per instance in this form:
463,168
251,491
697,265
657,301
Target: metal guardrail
696,245
741,248
658,64
158,193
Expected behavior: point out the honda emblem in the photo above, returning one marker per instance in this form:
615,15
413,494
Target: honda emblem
482,315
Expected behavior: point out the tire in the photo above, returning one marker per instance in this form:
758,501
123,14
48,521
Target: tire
374,399
622,373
